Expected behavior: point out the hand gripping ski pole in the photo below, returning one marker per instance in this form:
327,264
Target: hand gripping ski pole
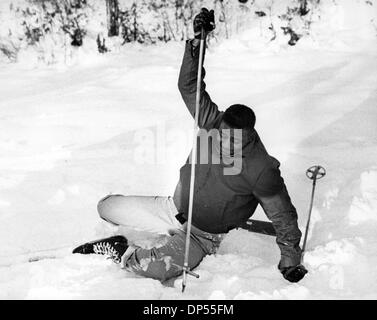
313,173
186,269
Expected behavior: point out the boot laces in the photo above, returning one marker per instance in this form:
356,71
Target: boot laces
107,249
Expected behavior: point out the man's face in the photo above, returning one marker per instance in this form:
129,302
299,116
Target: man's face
232,138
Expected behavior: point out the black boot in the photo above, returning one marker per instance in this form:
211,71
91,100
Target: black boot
113,247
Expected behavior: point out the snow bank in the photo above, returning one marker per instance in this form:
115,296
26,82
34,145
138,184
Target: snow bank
32,32
33,35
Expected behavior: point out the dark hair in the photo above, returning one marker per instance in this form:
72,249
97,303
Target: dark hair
239,116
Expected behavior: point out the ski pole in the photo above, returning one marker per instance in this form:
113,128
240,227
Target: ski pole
313,173
186,269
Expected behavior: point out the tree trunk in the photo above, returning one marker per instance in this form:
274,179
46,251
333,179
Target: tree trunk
112,8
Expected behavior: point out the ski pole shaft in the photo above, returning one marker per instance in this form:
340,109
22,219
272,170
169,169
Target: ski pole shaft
193,160
309,216
313,173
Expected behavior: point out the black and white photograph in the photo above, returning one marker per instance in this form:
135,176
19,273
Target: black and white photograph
210,150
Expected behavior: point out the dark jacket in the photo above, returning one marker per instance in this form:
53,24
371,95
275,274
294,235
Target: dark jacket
224,202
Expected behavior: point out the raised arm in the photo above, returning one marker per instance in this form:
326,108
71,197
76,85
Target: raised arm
208,110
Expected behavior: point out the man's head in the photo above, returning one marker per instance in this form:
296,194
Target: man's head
239,116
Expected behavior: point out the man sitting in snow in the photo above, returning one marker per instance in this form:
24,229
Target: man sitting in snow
222,202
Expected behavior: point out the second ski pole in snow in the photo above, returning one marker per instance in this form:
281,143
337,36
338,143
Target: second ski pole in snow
313,173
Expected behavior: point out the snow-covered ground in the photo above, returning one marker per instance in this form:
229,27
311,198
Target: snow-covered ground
69,136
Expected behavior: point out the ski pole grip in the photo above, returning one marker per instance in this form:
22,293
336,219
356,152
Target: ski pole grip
202,34
316,172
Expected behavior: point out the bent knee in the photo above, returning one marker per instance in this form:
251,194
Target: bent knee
105,204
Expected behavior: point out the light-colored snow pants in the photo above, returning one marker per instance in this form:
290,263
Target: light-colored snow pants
157,214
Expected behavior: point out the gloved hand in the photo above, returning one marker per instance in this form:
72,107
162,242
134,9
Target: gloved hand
205,19
294,274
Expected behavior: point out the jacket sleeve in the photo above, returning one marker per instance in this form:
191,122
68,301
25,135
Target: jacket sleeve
208,110
273,196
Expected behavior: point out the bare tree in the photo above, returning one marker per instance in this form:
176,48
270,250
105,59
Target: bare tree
112,8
